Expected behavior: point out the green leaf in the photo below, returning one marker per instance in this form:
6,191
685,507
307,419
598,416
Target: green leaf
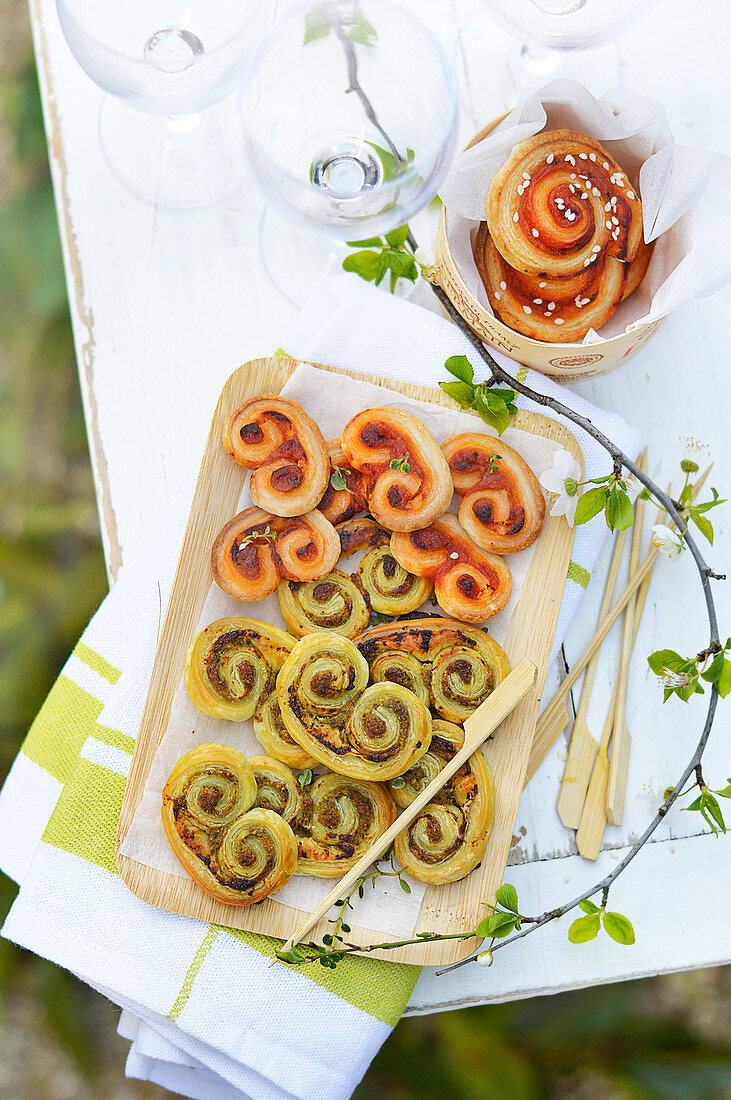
584,928
381,268
366,264
507,896
704,525
496,925
337,479
460,367
292,956
726,792
618,510
369,242
619,928
712,811
461,392
403,265
590,504
405,886
398,782
719,673
708,504
317,24
397,237
362,31
588,907
665,658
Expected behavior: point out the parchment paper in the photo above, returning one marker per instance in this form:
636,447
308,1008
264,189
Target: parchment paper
684,195
331,400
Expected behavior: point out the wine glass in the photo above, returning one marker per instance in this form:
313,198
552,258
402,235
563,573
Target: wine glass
174,62
350,120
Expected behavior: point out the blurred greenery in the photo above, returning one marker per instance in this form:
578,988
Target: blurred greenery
661,1039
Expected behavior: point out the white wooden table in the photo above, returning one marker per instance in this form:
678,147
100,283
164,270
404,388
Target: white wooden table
166,304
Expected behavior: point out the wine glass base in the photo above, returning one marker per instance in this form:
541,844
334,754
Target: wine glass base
297,258
186,161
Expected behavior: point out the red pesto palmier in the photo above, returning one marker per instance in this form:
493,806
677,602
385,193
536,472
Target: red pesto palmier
256,549
341,504
407,481
560,203
276,439
502,507
548,309
469,584
361,534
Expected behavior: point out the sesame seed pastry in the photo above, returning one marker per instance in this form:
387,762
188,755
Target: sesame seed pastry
470,584
362,732
231,667
407,482
345,493
503,507
276,439
451,666
256,549
337,603
236,852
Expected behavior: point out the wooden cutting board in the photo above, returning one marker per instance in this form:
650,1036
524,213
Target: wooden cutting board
453,908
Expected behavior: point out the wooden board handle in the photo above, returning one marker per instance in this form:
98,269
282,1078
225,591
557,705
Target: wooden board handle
477,727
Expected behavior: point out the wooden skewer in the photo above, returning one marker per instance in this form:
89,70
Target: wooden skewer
621,739
477,728
583,746
543,739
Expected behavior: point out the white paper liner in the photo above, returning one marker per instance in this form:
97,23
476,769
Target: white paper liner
684,195
332,400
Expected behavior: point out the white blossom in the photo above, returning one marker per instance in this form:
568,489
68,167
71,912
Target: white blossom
671,679
561,482
667,542
485,958
427,262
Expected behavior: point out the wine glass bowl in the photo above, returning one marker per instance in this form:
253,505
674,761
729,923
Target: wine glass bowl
567,24
350,116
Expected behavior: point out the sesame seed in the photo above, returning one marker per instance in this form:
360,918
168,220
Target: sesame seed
586,263
608,207
630,194
596,248
521,190
537,301
497,295
583,156
503,285
592,156
551,305
550,159
585,301
527,309
526,175
615,221
597,192
541,285
558,320
534,232
572,176
584,195
571,161
607,225
515,217
454,555
606,165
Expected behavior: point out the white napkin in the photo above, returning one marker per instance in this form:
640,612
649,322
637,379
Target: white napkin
205,1015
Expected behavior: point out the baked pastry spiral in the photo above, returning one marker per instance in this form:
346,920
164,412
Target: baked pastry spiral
277,789
237,853
256,549
469,584
231,667
392,591
559,203
359,534
545,308
452,667
447,739
271,733
407,482
362,732
448,838
276,439
502,507
336,603
342,818
344,495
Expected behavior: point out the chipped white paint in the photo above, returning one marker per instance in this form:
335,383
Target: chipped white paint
166,304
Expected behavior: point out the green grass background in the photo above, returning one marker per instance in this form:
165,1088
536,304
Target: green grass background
661,1039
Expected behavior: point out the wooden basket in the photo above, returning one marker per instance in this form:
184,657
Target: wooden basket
564,362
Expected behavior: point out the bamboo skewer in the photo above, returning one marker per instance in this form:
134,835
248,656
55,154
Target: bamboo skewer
477,728
621,739
583,745
545,730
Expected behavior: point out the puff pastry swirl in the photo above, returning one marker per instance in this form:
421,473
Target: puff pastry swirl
342,818
275,438
335,603
502,507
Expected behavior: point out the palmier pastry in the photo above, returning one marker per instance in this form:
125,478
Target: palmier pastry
469,584
452,667
361,534
638,268
342,818
277,789
407,482
237,853
548,309
448,838
447,739
363,732
231,667
256,549
344,495
336,603
276,439
392,591
271,733
502,507
560,203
